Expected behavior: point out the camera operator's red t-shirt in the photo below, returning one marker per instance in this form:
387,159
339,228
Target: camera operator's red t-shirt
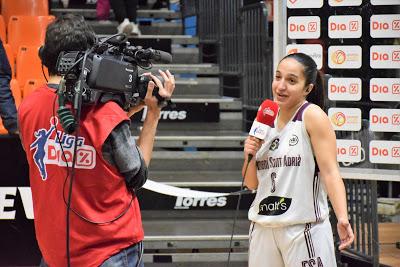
99,192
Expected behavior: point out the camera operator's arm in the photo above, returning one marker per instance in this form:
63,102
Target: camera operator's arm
117,150
146,138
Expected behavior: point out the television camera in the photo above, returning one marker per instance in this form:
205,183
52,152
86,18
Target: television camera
106,72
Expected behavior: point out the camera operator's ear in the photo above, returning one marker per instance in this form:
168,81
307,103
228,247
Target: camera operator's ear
41,49
43,55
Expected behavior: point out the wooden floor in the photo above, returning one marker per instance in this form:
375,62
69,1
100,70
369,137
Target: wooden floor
389,234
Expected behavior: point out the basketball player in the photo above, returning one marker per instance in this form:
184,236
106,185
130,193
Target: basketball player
289,215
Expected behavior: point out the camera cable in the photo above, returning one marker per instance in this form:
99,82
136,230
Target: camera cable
241,191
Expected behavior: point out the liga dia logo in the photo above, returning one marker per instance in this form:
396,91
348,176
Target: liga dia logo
338,118
338,57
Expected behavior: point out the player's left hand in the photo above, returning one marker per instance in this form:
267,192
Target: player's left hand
345,234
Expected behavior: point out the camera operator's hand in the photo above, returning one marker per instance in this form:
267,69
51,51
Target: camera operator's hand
164,90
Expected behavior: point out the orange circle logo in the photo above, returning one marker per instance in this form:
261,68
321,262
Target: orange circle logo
338,57
338,118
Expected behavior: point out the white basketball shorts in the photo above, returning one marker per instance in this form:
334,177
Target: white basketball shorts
302,245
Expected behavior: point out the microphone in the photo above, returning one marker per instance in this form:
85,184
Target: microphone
264,121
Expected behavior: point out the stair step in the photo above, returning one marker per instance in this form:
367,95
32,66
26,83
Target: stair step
225,124
226,103
200,85
103,27
197,160
203,68
156,28
191,179
195,230
91,13
182,139
175,39
185,55
209,259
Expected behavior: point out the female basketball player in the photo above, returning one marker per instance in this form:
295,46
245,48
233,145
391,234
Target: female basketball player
290,224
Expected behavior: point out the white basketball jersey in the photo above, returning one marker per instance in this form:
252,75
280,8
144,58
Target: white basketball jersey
289,190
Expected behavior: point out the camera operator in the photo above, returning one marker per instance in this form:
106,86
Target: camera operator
105,227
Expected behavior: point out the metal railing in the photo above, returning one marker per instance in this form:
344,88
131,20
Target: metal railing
257,59
230,37
362,208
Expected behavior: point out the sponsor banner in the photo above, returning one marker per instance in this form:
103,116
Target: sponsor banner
8,201
345,26
385,57
384,89
304,27
345,89
384,120
345,119
348,150
384,2
304,3
385,26
153,200
313,50
172,198
344,57
184,112
387,152
345,2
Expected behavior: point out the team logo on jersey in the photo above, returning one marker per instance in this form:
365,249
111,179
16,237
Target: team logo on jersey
57,148
293,140
274,205
274,145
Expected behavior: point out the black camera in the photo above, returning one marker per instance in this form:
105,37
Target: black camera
106,72
109,71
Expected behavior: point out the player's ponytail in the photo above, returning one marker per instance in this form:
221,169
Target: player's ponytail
317,94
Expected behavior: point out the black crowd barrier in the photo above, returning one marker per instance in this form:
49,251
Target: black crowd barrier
230,44
235,35
257,60
362,208
230,56
208,15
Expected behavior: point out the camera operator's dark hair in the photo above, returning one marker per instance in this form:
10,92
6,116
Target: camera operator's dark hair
313,76
67,33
